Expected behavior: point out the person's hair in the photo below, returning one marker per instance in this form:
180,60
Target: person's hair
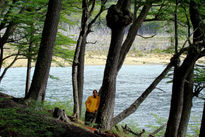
95,90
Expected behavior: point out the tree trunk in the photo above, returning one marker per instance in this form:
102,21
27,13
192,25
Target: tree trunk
188,96
132,34
79,57
117,21
81,74
40,77
78,74
28,73
182,73
3,40
106,109
198,39
78,69
177,99
202,129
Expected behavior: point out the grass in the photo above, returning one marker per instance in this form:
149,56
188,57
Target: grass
27,122
35,120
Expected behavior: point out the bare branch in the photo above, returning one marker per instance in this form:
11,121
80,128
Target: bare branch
92,9
201,98
128,129
91,42
17,54
96,17
156,18
157,130
160,89
5,70
146,37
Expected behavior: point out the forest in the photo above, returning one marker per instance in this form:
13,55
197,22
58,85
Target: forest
38,31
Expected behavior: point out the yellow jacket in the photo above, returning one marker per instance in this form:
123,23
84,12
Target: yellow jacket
92,104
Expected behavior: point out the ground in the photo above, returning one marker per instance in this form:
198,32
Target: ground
21,120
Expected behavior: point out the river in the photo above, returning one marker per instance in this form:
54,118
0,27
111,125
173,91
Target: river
131,82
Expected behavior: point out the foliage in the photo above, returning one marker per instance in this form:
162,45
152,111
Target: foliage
29,17
199,74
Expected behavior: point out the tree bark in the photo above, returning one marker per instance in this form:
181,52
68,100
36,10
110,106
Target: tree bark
118,18
202,129
183,71
132,34
188,96
38,86
177,99
78,63
79,57
28,72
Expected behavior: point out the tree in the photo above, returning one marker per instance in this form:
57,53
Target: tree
40,77
184,70
118,18
8,23
25,39
78,61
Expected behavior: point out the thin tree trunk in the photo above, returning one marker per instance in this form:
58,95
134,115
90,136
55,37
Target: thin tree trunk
3,40
132,108
177,99
76,78
80,75
188,96
28,72
38,86
79,57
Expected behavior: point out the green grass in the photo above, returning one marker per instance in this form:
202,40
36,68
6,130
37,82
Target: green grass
30,121
18,122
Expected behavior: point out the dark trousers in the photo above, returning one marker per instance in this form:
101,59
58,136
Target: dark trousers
89,117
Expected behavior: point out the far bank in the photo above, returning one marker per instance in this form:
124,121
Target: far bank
92,58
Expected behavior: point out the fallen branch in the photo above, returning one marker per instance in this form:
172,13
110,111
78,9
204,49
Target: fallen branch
128,129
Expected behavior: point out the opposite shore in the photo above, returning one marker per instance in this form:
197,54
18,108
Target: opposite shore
100,59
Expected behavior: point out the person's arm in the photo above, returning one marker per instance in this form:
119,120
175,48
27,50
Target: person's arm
87,103
98,104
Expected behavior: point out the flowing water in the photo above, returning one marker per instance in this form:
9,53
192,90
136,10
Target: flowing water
132,80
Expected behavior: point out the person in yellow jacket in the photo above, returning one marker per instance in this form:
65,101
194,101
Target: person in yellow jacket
92,105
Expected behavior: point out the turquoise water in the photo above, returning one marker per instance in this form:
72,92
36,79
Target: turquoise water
131,82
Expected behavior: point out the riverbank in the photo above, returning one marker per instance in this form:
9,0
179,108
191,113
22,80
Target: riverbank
92,58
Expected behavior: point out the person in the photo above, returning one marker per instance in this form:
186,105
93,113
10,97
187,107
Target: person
92,105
